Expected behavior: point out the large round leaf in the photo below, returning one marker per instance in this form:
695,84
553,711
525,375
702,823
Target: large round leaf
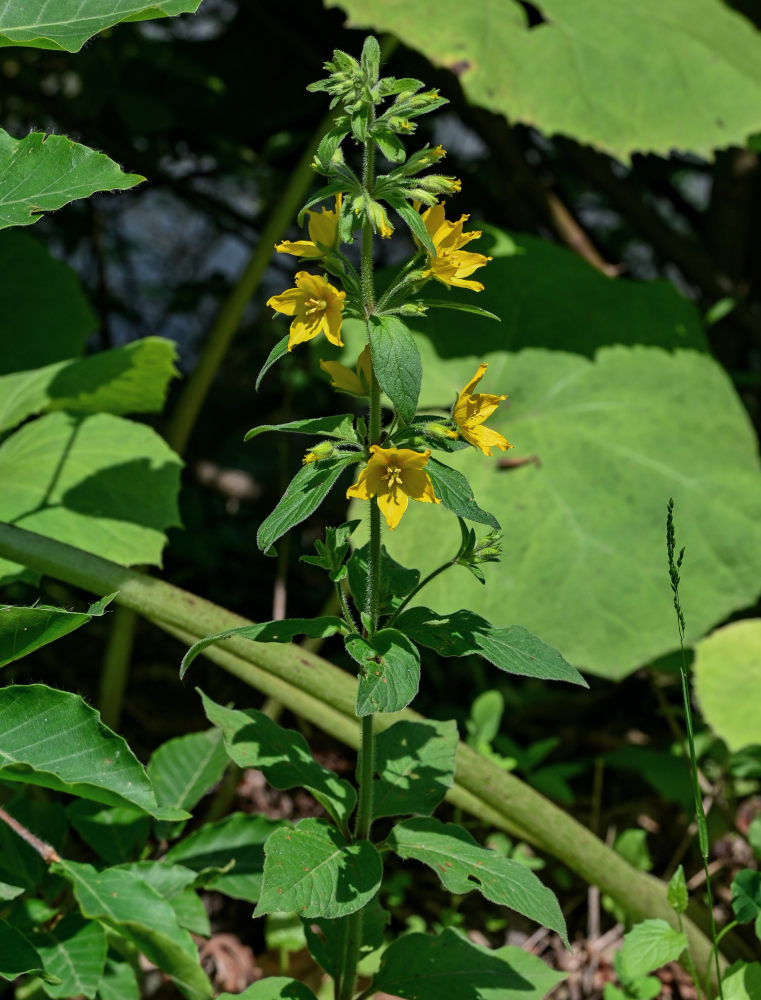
727,673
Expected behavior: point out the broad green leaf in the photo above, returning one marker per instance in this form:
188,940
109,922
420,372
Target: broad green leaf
40,173
184,769
746,895
124,902
415,762
46,317
305,493
389,671
101,483
283,630
278,351
118,982
228,855
191,913
9,892
116,833
649,945
650,78
252,739
677,893
396,581
22,630
512,648
340,426
424,967
727,673
73,951
312,870
17,956
53,739
67,24
272,988
174,884
129,379
456,493
396,363
326,939
742,981
463,865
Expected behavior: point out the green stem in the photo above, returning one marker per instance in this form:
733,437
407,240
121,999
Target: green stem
345,609
113,679
423,583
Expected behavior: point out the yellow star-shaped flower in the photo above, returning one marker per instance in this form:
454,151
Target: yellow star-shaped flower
316,307
357,382
470,411
452,265
323,235
394,476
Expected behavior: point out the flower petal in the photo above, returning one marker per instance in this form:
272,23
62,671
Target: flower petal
392,506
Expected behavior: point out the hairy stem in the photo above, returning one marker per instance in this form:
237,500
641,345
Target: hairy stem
423,583
45,851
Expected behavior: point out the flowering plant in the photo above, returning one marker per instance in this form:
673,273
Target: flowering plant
330,873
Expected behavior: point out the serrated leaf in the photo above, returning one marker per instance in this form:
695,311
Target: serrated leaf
677,891
314,871
252,739
326,939
228,856
339,426
649,945
463,865
53,739
304,494
396,363
746,895
389,674
73,952
123,901
424,967
511,648
184,769
129,379
116,833
456,493
17,956
69,23
272,988
283,630
727,677
415,762
101,483
22,630
40,173
278,351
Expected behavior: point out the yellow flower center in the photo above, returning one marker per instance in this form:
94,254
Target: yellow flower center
393,476
315,305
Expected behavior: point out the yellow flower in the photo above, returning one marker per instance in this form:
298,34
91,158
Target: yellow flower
452,264
394,475
323,232
357,382
470,412
316,307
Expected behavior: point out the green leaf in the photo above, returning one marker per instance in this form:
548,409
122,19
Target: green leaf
22,630
272,988
742,981
184,769
130,379
20,864
649,945
9,892
53,739
459,307
455,493
314,871
278,351
101,483
677,892
46,317
118,982
727,672
74,952
228,855
325,192
332,552
424,967
127,904
252,739
463,865
414,222
415,762
40,173
305,493
339,426
512,649
116,833
396,581
746,895
283,630
69,23
326,939
642,81
17,956
389,671
396,363
754,835
173,883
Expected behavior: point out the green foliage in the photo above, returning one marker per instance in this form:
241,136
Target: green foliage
272,988
184,769
331,553
396,363
746,897
326,939
116,833
742,981
649,945
415,763
340,426
22,630
389,671
17,956
727,672
74,952
678,891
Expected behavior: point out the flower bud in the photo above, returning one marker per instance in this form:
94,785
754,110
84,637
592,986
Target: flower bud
325,449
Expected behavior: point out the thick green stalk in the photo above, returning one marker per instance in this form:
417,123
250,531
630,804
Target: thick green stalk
113,679
326,696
